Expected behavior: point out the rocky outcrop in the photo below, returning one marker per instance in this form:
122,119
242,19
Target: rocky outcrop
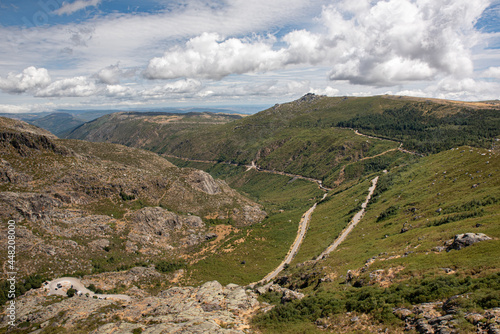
209,308
287,295
31,206
464,240
9,175
203,181
155,221
158,221
248,215
26,144
437,317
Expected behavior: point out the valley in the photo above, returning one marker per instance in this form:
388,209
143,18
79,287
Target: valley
377,214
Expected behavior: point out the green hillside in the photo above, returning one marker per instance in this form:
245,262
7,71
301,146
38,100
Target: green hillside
401,242
58,123
309,136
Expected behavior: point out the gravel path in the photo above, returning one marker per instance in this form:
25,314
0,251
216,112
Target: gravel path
355,220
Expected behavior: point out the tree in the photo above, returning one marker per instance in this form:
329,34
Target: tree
71,292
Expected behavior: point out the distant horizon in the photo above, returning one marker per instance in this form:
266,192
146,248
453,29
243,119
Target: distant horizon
101,54
232,108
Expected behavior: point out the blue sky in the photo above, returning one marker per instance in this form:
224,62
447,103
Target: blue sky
158,53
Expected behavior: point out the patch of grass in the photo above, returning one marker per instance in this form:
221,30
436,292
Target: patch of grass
379,302
266,244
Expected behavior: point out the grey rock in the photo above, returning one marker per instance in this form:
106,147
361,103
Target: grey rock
440,320
423,327
289,295
99,244
203,181
466,239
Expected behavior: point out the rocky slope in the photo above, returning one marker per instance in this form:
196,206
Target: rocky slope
112,205
210,308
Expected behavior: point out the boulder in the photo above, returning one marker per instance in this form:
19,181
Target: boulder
466,239
203,181
99,244
289,295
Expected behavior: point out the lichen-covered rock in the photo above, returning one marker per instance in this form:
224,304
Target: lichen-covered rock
99,244
203,181
466,239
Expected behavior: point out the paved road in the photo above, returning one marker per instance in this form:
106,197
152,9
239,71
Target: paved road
61,285
355,220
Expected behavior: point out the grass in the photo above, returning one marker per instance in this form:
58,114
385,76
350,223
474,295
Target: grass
379,303
329,219
266,244
408,196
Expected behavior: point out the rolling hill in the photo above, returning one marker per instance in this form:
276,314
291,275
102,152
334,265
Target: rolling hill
422,258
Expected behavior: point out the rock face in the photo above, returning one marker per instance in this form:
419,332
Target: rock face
104,202
438,317
249,215
210,308
203,181
287,294
464,240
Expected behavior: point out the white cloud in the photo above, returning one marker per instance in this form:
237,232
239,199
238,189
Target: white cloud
187,86
210,56
25,108
73,87
466,89
70,8
328,91
397,41
30,79
285,89
120,91
492,72
14,109
388,43
214,51
109,75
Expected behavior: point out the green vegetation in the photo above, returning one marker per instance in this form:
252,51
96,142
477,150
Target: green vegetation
305,137
168,267
34,281
261,246
419,199
71,292
483,293
426,132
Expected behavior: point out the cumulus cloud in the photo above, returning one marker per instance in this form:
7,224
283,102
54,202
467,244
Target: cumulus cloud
29,79
187,86
69,8
109,75
257,89
328,91
72,87
381,44
397,41
210,56
492,72
120,91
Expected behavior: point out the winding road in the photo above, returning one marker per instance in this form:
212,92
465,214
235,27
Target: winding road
61,285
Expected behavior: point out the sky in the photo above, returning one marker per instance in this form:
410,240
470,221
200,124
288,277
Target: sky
92,54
